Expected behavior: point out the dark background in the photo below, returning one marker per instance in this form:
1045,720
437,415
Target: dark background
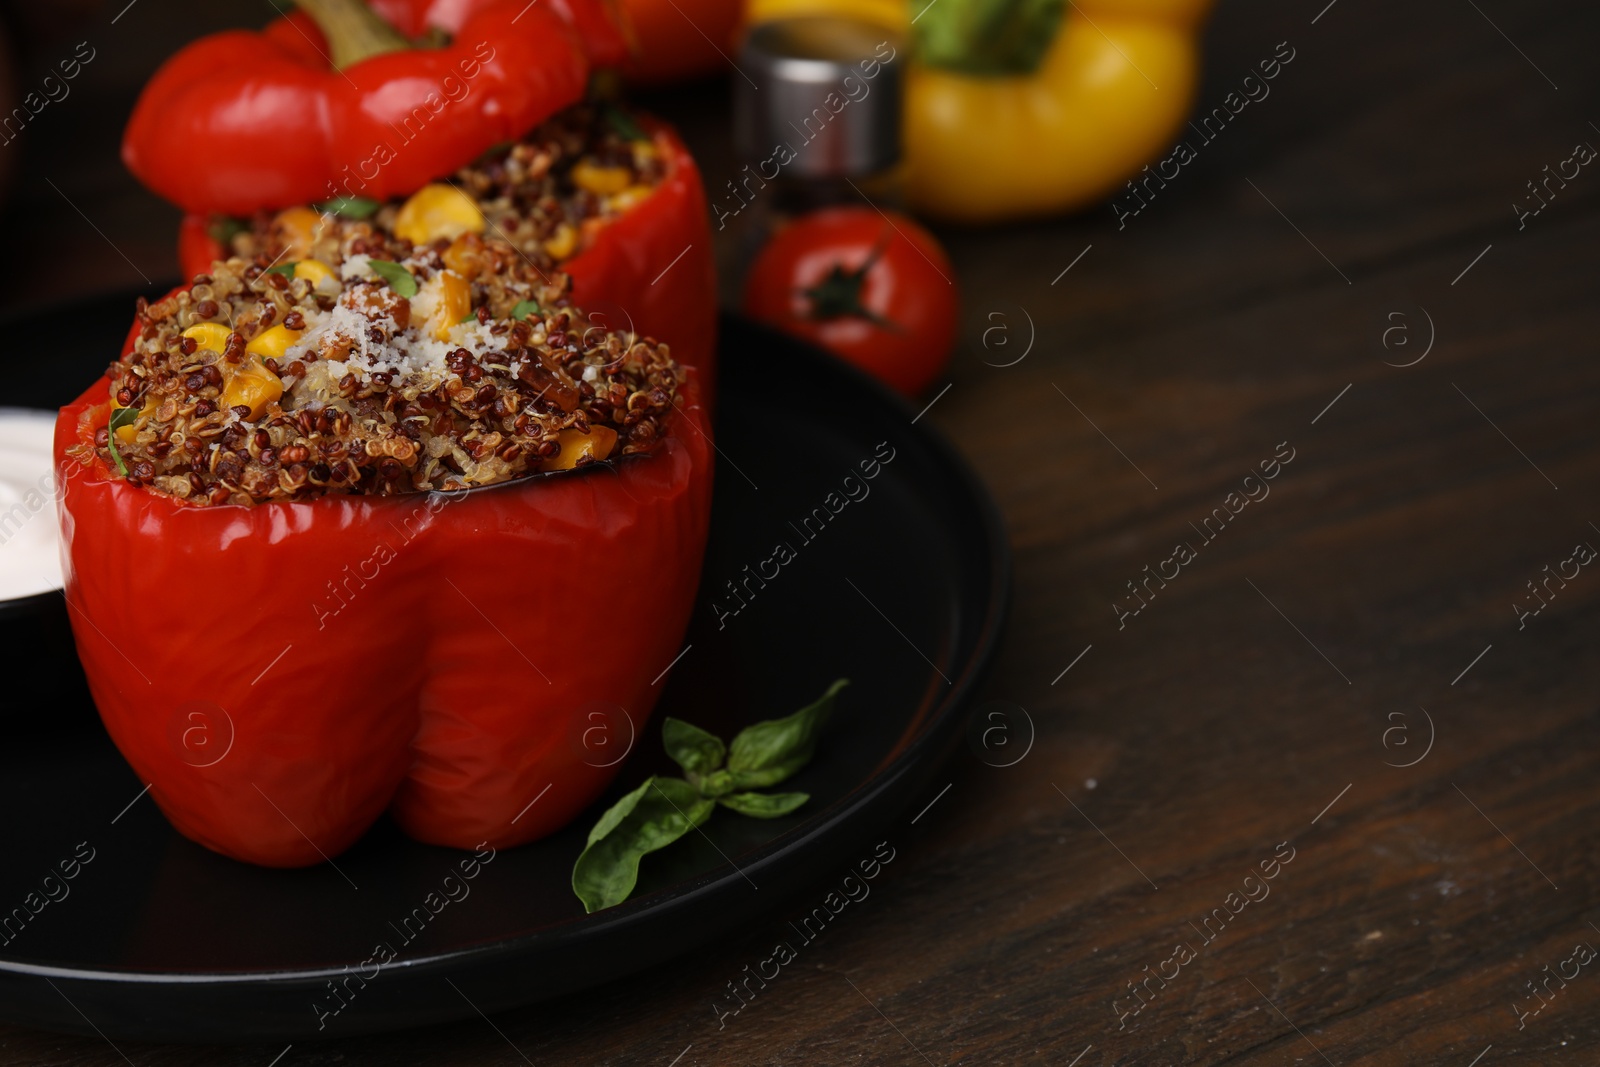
1254,701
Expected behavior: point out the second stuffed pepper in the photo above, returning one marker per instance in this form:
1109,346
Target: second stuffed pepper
464,146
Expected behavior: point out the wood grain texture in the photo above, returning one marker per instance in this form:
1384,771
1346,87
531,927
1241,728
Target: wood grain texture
1256,700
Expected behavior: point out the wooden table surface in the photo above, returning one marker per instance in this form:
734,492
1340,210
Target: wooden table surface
1346,686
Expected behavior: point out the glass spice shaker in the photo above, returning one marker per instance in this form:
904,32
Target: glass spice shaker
817,121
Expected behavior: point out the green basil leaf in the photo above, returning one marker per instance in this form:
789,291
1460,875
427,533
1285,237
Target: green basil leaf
285,269
653,816
119,417
525,308
471,316
400,280
717,783
623,124
224,229
764,805
350,207
696,751
499,148
993,38
768,752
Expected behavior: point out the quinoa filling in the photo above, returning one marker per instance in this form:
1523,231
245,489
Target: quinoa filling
385,368
549,194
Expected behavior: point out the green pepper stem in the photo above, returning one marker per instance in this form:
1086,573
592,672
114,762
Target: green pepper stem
995,38
354,31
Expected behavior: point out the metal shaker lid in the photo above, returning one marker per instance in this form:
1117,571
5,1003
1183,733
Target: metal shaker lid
821,95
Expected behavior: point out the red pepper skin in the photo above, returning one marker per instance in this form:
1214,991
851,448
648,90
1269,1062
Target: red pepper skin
683,39
435,655
197,249
623,276
600,23
634,261
240,121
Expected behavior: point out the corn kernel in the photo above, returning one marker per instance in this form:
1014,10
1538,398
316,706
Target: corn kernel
630,196
314,271
436,211
563,242
601,181
208,336
575,444
298,228
273,342
253,386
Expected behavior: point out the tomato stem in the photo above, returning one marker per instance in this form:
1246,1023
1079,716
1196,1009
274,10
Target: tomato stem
838,294
353,30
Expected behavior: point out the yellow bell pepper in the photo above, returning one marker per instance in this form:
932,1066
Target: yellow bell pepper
127,433
299,228
576,445
1110,85
453,296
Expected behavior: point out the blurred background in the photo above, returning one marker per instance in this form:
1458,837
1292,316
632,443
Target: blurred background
89,227
64,191
65,194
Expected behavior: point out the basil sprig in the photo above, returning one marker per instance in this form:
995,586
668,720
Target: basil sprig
663,809
350,207
225,228
400,280
525,308
624,126
119,418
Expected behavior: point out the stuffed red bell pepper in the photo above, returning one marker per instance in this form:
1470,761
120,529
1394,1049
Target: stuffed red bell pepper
609,196
378,531
613,199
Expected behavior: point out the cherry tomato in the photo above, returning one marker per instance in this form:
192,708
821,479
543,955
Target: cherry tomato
875,290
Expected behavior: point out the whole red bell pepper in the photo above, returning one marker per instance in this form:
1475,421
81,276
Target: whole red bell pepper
651,269
241,121
282,674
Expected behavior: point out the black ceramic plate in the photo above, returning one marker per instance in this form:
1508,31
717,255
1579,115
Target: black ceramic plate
903,591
